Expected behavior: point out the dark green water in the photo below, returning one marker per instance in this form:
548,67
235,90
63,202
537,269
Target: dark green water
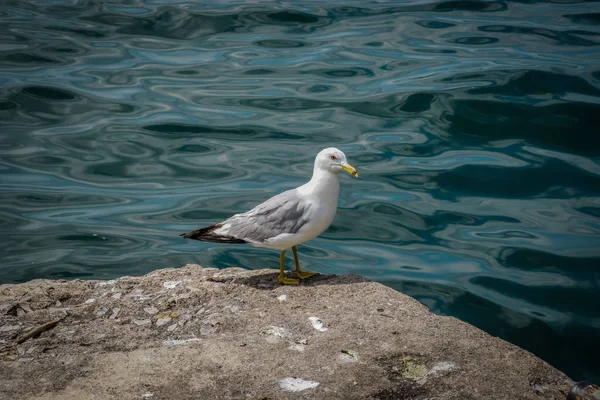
474,126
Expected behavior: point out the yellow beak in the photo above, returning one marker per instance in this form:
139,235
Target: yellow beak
350,169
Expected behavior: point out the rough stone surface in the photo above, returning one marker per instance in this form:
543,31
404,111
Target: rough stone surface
237,334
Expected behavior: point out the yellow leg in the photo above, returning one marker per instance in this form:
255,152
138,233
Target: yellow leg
282,278
301,274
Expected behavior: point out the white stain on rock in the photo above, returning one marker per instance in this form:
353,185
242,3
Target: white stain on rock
296,384
317,324
106,283
443,366
101,312
171,284
283,297
274,334
115,313
163,321
178,342
296,347
274,331
150,310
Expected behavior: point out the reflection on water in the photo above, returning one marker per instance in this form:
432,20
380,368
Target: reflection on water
473,124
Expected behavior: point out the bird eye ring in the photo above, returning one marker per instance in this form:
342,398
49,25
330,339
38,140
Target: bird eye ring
333,157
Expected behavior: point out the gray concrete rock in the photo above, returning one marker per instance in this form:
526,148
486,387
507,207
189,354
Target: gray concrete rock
237,334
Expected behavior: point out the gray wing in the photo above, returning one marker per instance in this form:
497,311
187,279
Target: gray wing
285,213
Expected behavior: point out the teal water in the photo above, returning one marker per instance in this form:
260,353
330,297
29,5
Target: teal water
474,126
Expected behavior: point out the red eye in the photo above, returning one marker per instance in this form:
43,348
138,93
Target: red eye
333,157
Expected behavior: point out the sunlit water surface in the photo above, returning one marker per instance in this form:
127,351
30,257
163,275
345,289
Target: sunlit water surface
474,126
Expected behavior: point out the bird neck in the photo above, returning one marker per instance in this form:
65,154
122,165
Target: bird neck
323,182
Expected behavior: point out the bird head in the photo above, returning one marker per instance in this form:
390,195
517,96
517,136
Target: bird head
334,161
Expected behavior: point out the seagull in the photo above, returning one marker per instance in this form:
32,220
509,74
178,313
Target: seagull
289,218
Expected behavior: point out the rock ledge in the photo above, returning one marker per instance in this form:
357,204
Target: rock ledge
204,333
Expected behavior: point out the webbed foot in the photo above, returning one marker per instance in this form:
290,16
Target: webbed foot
288,281
305,274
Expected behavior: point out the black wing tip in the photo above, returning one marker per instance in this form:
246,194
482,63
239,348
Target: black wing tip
207,235
189,235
